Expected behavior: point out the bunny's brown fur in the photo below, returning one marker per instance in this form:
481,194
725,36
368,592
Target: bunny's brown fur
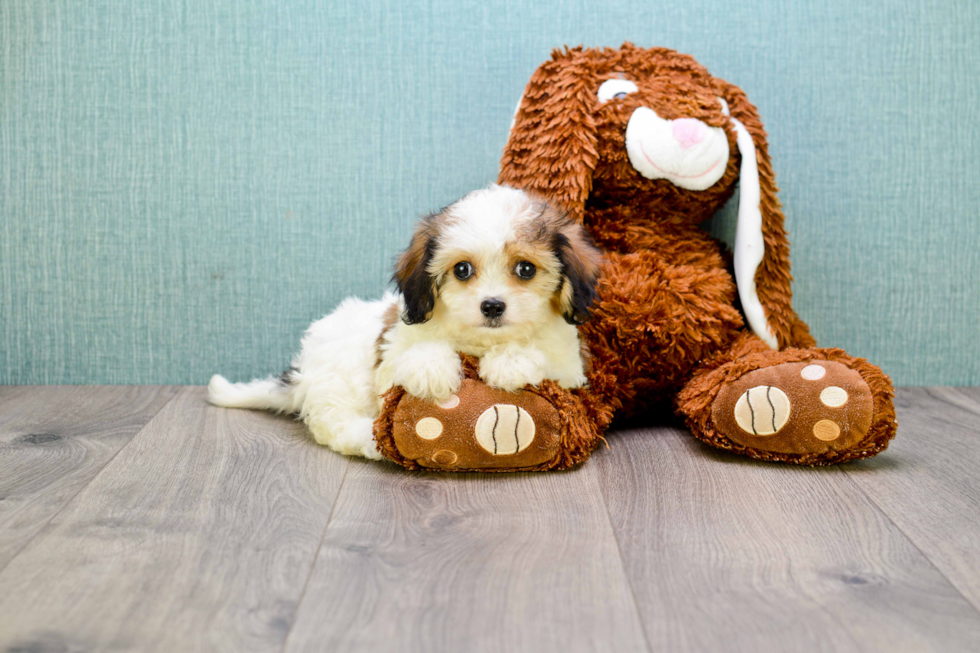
666,330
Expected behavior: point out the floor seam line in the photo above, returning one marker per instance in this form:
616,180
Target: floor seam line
622,562
91,480
316,556
909,539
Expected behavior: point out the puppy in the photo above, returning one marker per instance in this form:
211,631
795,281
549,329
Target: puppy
498,275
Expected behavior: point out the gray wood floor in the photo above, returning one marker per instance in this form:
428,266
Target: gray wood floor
142,519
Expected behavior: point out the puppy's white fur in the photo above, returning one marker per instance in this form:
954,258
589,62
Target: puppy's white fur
349,359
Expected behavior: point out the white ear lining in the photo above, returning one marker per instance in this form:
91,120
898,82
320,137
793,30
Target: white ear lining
517,110
749,244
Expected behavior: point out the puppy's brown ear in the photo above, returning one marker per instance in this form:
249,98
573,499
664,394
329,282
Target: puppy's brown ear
412,276
764,278
580,262
551,151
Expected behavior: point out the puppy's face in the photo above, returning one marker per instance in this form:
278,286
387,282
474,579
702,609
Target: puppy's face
497,262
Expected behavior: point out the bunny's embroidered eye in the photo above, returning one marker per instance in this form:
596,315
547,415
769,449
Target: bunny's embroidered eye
463,270
615,89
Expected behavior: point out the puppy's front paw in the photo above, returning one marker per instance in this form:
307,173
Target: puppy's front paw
429,371
512,368
575,380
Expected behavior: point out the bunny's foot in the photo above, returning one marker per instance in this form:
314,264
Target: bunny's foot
485,429
803,406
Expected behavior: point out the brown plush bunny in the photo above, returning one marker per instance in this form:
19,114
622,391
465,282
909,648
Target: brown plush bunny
642,145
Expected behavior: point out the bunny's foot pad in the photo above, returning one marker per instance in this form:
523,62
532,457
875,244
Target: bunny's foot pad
810,407
485,429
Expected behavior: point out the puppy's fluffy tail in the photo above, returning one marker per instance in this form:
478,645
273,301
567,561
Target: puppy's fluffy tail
267,394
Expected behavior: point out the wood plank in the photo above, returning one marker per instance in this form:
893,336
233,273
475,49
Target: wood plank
54,440
199,535
928,483
477,562
727,554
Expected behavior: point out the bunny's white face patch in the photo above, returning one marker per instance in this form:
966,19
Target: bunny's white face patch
686,152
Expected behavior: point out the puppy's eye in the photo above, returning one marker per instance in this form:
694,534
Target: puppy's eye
615,88
525,270
463,270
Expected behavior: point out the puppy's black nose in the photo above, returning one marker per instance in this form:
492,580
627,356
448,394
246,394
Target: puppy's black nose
492,307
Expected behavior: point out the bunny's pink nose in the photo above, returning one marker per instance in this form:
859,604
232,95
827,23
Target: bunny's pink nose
689,131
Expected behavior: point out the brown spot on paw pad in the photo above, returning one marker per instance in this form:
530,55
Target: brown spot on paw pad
444,457
796,408
826,430
481,428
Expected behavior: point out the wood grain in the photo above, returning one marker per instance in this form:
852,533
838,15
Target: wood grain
199,535
495,562
725,554
929,483
211,529
53,442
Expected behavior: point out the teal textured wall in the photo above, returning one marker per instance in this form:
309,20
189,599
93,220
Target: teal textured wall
185,185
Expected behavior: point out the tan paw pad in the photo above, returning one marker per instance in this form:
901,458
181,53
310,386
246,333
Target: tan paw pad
833,396
813,372
449,403
762,410
428,428
504,429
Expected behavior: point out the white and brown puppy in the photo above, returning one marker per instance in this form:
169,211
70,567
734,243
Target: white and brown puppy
498,275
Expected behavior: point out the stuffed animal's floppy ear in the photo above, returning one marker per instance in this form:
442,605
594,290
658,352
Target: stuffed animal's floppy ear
416,284
762,268
551,151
